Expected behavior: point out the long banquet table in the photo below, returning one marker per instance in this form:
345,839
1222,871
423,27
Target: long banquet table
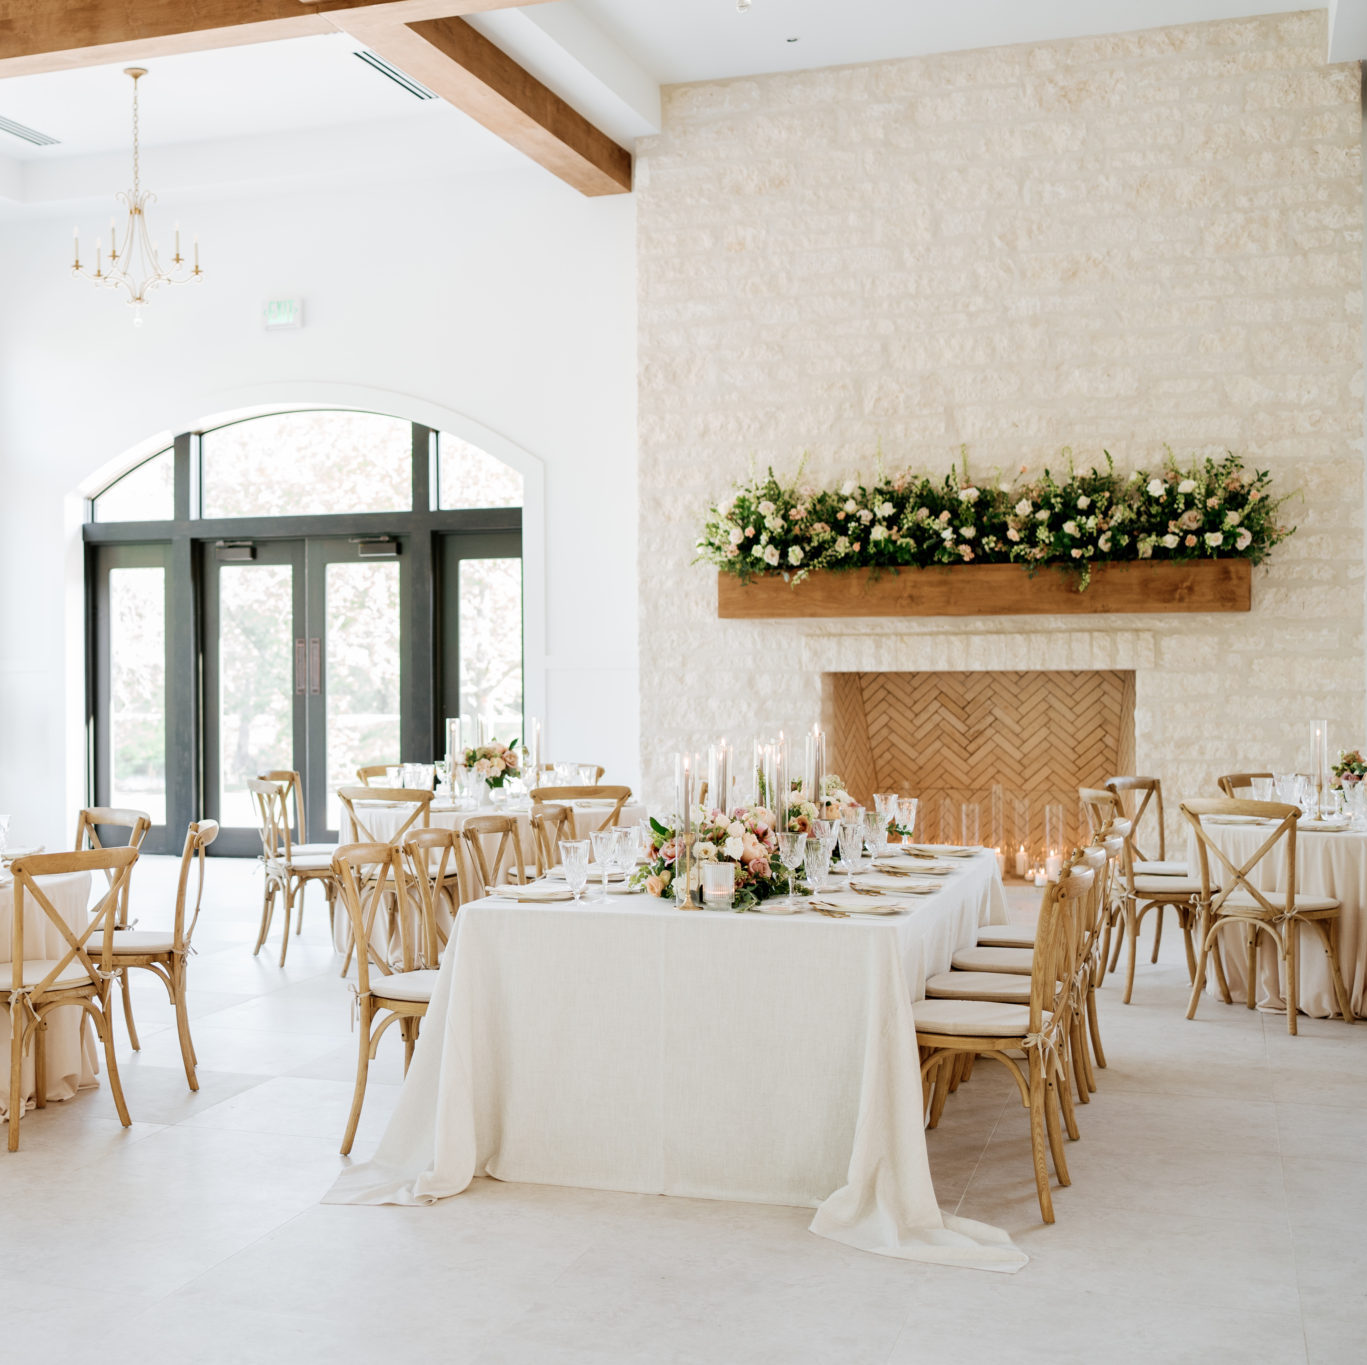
627,1045
71,1064
1328,863
383,820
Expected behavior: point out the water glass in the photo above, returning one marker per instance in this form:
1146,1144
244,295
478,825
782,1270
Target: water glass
574,855
824,829
790,853
1288,788
393,776
851,842
1264,789
1353,794
604,852
885,803
876,832
906,814
816,862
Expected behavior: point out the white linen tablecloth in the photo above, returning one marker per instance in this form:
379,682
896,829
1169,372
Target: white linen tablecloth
1328,864
383,821
627,1045
70,1045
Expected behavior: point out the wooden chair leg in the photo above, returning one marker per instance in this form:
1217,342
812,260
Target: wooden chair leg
1037,1139
187,1050
1292,967
1187,919
362,1071
1221,980
941,1091
299,918
1063,1092
267,914
17,1020
1251,966
40,1064
1158,933
1208,932
1329,935
1122,918
1052,1093
105,1027
1132,918
1094,1025
289,907
128,1010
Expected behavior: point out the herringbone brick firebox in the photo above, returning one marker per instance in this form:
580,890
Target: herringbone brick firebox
984,737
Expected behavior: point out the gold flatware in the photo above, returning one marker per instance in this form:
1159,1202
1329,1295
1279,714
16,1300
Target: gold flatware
830,914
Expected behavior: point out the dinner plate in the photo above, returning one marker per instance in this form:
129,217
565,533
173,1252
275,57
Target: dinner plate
939,850
881,881
594,803
595,874
1236,820
536,891
1326,826
919,868
852,903
22,851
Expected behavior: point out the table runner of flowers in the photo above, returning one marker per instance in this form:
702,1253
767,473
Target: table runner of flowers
1206,509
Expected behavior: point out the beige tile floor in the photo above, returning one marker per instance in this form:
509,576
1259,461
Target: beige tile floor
1218,1210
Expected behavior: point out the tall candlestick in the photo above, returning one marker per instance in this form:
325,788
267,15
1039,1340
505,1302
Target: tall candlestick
1319,761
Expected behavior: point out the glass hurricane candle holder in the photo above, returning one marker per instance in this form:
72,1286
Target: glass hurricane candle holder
718,885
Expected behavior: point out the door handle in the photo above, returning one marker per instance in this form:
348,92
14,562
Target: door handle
300,664
315,665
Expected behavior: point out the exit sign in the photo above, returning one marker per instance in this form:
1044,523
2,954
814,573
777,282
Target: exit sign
281,314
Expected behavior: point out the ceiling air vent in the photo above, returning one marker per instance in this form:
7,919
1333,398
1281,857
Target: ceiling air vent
8,125
383,67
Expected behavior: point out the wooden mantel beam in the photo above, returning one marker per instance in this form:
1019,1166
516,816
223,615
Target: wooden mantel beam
458,63
55,35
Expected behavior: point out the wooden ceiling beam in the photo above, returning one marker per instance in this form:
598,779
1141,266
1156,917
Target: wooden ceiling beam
56,35
458,63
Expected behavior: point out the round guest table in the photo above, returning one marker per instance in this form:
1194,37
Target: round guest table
70,1044
1329,863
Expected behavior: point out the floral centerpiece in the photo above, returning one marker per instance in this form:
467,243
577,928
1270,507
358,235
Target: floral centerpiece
1350,769
1206,509
745,836
494,762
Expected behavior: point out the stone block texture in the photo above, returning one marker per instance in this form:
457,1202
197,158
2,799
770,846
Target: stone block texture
1116,243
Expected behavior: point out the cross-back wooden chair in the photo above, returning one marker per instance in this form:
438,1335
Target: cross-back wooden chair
371,771
433,863
287,870
1238,902
420,815
166,953
619,795
1099,806
80,976
294,803
550,823
1231,784
510,863
137,823
1030,1040
1138,796
368,874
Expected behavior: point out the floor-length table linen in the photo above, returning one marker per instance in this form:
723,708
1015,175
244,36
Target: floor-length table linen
70,1046
627,1045
384,820
1328,864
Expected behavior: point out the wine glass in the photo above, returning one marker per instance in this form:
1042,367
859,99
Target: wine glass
851,843
1264,789
790,852
876,832
624,849
604,851
906,815
574,855
816,862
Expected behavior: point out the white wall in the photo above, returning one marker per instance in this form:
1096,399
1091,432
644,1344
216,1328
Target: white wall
500,306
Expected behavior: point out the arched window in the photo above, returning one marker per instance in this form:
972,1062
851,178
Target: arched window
310,590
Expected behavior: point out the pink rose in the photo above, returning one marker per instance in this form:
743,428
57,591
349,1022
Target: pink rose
758,867
751,849
655,886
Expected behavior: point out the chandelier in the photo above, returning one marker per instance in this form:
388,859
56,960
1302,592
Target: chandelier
134,264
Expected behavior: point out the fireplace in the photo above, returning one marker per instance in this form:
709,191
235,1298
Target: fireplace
1013,743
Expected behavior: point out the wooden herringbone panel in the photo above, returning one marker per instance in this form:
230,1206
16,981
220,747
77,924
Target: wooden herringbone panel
1002,740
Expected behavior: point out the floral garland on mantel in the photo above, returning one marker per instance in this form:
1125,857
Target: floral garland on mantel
1209,509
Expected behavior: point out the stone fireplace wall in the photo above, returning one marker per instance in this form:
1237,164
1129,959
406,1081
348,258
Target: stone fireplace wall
1119,243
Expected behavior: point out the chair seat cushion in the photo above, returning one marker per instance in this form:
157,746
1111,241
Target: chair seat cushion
1154,867
35,969
133,941
1001,986
307,850
1014,960
1244,900
310,862
404,985
1007,936
974,1018
1167,886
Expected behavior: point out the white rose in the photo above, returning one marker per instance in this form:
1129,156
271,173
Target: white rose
705,852
771,554
947,534
766,508
1187,486
885,509
967,532
1214,538
735,829
1077,554
735,846
1023,507
1042,514
968,495
879,533
1012,533
757,551
842,543
850,504
848,487
1104,543
794,554
1156,488
1170,542
1231,518
1083,503
1070,528
1244,539
737,535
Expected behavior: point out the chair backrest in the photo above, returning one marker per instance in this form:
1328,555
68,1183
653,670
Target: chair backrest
371,771
1233,783
1095,859
434,862
1238,878
421,802
1057,942
1135,795
117,865
550,824
198,837
88,824
380,875
293,786
620,795
508,857
273,819
1099,806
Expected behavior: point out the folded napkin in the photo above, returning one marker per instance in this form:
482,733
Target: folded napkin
535,891
852,903
22,851
595,874
897,885
916,869
1339,826
939,851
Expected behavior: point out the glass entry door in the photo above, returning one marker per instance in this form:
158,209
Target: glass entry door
302,658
